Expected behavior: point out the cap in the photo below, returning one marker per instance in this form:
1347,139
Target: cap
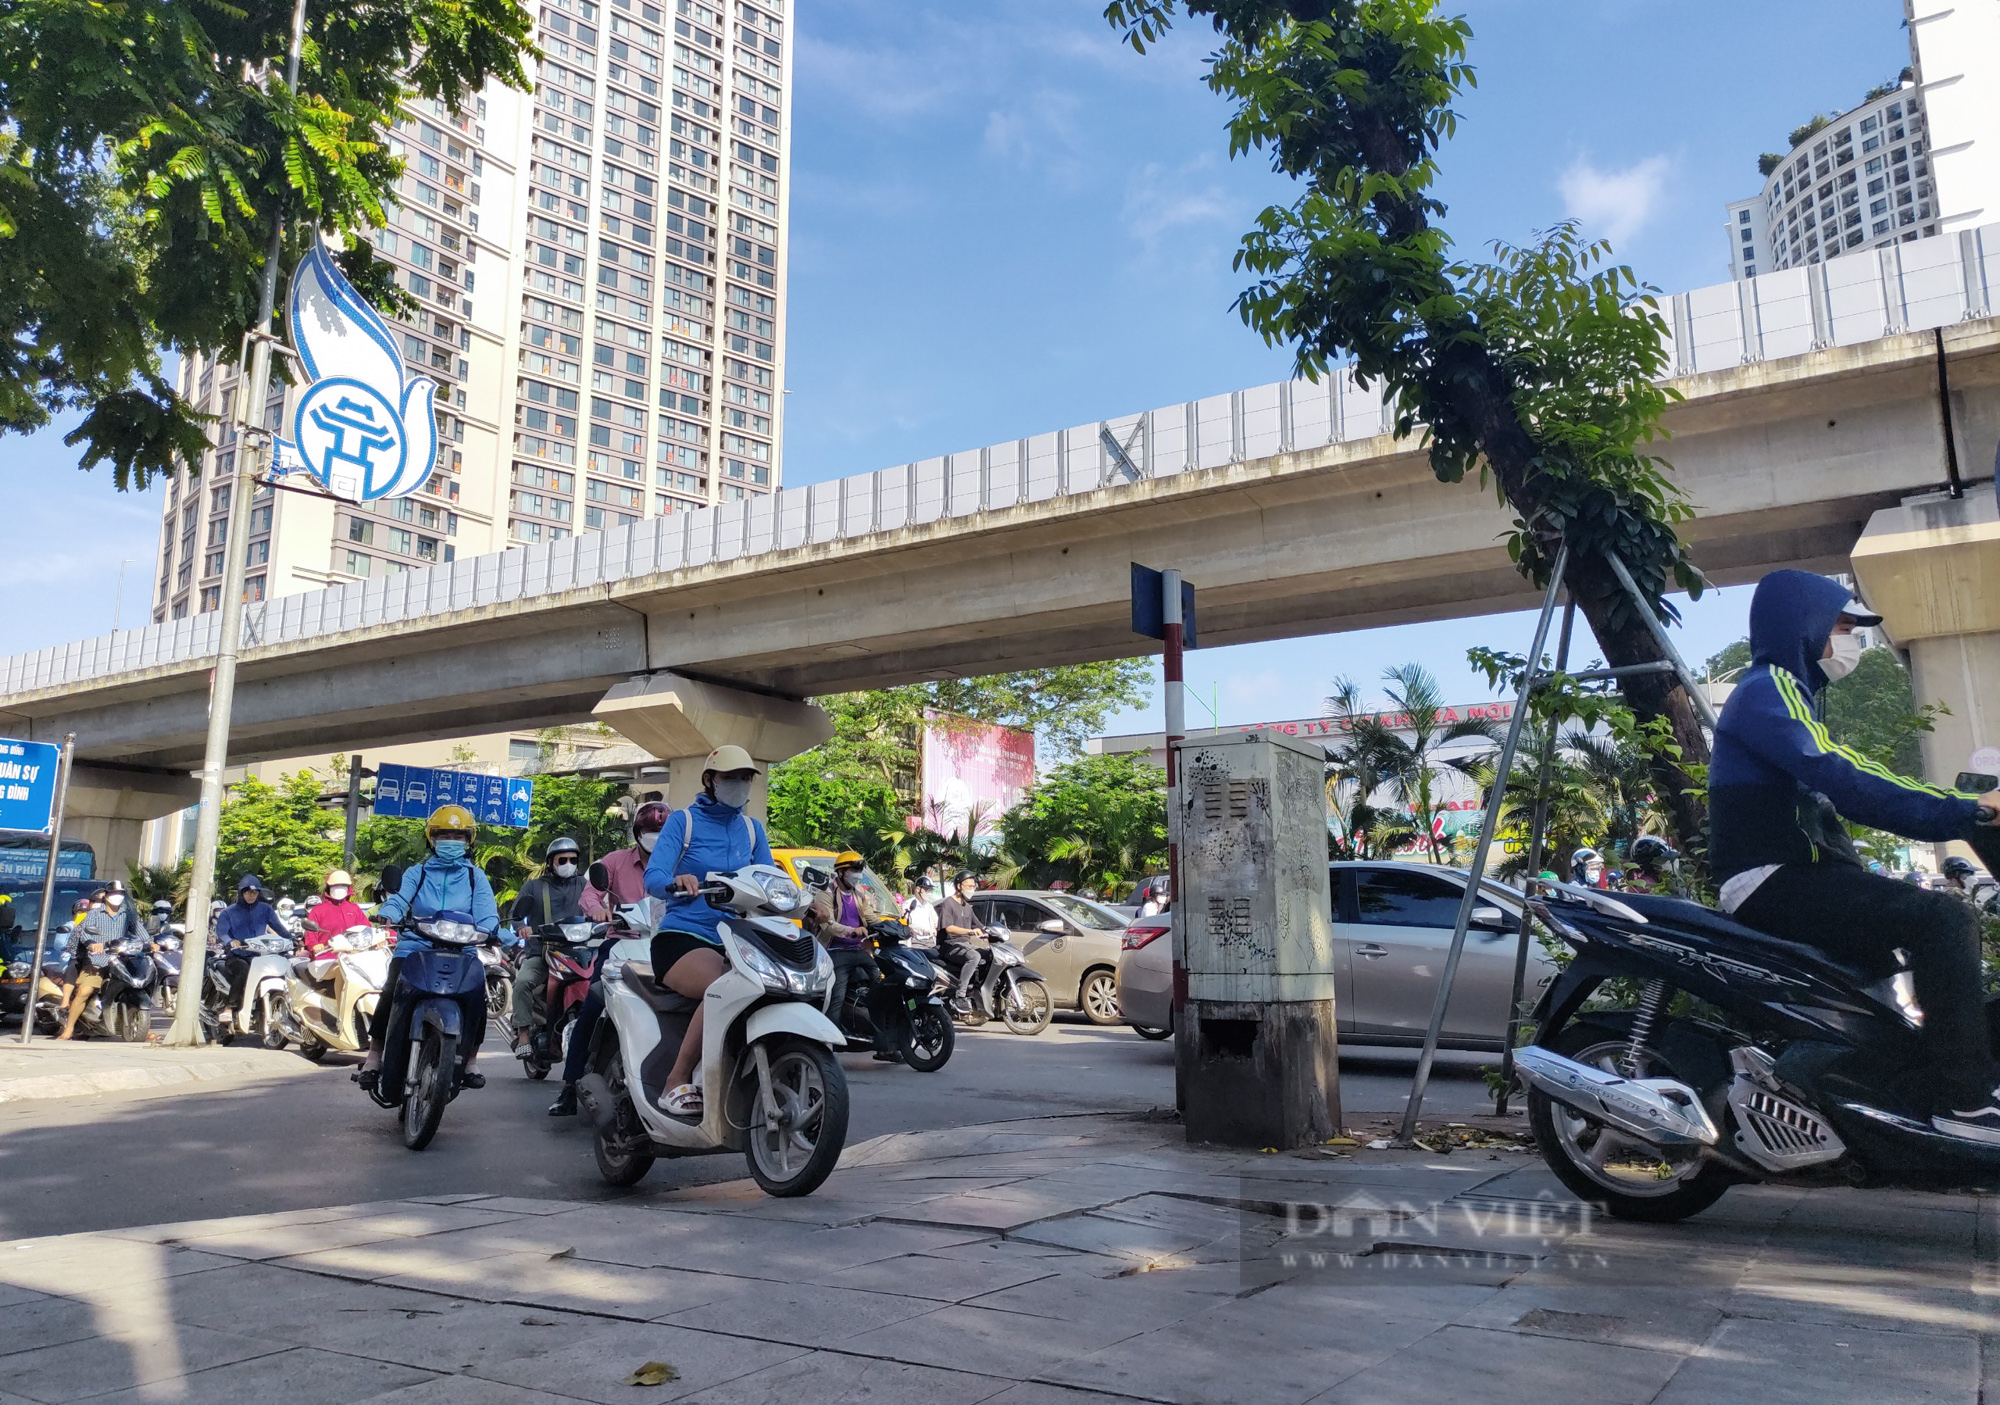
730,758
1859,613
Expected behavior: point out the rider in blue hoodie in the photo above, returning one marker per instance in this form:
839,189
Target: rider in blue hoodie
1778,788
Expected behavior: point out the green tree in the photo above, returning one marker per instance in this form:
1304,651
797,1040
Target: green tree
1731,659
145,151
1874,710
1409,768
1099,821
813,805
149,883
1541,367
278,832
582,808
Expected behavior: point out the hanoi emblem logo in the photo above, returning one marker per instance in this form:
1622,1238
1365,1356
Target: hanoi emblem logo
362,428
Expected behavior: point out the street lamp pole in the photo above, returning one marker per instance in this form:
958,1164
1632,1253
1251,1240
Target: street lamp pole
251,388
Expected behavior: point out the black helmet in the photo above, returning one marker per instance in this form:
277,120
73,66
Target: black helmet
1650,849
1957,867
564,845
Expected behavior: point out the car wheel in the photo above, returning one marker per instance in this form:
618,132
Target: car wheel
1099,998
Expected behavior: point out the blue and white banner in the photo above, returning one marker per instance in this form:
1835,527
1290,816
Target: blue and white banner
412,792
361,427
27,785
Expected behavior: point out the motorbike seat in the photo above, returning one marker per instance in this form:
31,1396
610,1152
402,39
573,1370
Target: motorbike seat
638,978
1693,917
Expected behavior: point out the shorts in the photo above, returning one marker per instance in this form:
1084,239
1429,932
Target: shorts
670,947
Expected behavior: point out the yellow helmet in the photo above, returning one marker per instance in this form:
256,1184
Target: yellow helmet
850,858
450,819
339,879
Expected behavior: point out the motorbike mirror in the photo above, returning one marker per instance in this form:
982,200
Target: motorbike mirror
1975,783
1489,919
1053,926
600,877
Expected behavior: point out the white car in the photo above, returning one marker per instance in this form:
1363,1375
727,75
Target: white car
1391,930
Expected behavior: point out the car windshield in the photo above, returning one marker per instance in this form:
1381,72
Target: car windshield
816,870
1084,913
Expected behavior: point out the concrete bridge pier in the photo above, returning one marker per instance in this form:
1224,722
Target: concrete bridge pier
1931,567
108,808
680,720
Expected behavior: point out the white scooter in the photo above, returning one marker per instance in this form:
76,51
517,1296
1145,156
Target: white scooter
331,999
262,1009
770,1083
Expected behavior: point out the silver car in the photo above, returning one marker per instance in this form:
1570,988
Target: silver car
1072,941
1392,929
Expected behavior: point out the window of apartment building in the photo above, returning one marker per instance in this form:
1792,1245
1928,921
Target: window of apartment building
253,590
360,529
399,540
257,553
359,563
212,564
260,520
211,597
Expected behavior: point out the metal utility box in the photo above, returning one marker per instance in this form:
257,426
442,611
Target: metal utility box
1255,1051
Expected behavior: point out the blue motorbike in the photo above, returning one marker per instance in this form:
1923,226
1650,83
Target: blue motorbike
426,1045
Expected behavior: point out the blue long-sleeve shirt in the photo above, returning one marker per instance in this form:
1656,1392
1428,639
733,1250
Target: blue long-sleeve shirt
439,885
707,837
238,923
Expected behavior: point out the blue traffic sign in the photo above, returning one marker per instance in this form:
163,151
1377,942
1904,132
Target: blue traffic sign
1149,605
27,784
412,792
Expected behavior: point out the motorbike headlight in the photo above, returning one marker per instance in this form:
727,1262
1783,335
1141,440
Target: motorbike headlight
577,931
457,933
782,895
821,975
757,963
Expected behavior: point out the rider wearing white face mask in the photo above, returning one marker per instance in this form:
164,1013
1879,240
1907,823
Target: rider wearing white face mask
628,866
553,896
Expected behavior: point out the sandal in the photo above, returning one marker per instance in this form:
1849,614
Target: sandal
683,1101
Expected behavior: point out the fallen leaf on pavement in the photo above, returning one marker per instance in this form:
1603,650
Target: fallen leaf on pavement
652,1373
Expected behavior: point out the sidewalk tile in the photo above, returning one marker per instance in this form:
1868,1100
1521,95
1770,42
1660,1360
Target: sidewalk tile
294,1240
519,1205
1005,1344
1037,1393
448,1334
155,1355
800,1314
594,1367
1653,1319
463,1390
397,1258
933,1278
78,1265
264,1300
826,1376
1864,1298
1097,1233
1137,1303
44,1322
1786,1363
301,1376
1505,1368
579,1285
195,1229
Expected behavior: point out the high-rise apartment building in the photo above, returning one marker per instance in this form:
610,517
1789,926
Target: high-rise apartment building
1913,160
600,267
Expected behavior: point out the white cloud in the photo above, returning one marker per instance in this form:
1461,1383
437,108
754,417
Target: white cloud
1159,201
1616,204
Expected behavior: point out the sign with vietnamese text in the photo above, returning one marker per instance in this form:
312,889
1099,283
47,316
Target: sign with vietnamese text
27,785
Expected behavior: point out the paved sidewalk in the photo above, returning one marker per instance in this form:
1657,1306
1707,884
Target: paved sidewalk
1068,1261
51,1068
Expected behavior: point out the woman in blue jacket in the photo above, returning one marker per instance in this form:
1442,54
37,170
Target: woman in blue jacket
711,835
447,881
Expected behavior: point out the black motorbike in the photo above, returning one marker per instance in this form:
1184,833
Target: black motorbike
122,1008
905,999
1784,1065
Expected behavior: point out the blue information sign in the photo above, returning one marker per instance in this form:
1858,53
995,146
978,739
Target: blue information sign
412,792
27,784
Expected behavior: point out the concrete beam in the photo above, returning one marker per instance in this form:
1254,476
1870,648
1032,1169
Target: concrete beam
681,720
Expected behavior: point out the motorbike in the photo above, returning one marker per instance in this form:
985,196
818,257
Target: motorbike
122,1007
1798,1070
330,999
422,1061
907,998
167,956
261,1009
502,961
1007,988
771,1085
570,948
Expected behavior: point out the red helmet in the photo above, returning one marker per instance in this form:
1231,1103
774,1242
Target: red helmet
651,819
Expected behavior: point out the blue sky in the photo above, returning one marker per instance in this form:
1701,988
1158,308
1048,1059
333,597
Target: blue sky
1005,223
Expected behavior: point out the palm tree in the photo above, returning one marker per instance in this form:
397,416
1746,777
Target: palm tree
1617,770
1577,811
1410,768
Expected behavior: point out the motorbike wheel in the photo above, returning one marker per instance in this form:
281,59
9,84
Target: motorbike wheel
1631,1180
134,1024
423,1106
810,1090
311,1049
272,1017
619,1168
1099,998
1146,1031
498,998
928,1038
1026,1008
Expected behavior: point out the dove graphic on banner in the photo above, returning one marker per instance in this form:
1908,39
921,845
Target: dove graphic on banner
362,428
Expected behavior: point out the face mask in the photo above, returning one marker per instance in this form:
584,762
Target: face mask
339,895
451,850
1846,654
565,870
116,901
648,840
734,794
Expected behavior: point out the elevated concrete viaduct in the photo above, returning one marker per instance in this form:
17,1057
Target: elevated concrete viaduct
1287,505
